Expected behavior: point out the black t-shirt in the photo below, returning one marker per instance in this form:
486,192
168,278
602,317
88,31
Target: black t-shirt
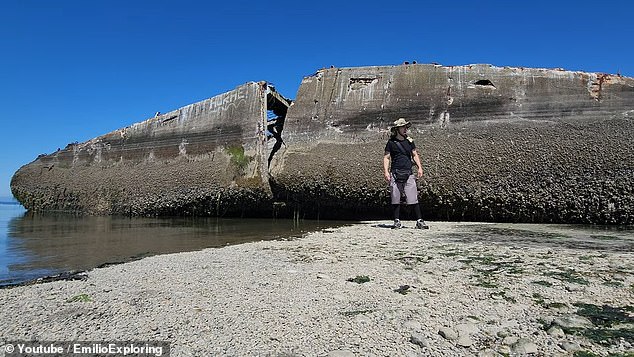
400,160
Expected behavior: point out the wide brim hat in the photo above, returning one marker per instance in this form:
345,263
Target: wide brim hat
401,122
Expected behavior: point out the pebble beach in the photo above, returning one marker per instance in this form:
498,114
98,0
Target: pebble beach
457,289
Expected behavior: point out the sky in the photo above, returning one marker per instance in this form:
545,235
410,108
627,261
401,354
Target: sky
72,70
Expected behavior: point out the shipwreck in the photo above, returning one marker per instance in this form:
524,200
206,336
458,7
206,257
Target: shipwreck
497,144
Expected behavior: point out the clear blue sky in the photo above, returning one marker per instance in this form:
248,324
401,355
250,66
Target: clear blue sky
73,70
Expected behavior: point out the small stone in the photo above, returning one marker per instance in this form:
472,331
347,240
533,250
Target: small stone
556,331
510,340
340,297
487,353
503,332
448,333
524,346
419,339
572,321
504,350
362,319
570,346
467,328
412,325
341,353
509,324
465,341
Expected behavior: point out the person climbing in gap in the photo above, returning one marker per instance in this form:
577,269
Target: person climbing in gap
400,151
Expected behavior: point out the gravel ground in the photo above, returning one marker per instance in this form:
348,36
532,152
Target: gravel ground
457,289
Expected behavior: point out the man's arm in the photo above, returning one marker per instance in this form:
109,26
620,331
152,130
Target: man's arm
417,161
386,166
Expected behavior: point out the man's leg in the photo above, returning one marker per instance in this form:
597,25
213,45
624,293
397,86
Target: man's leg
397,213
420,224
412,199
419,215
395,191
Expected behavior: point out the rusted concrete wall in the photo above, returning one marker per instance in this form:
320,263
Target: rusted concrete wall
497,144
205,158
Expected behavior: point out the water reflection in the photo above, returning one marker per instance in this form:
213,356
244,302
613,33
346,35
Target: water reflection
46,244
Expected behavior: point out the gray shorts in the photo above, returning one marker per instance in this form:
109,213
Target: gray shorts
408,188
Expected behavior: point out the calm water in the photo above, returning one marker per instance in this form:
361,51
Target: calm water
37,245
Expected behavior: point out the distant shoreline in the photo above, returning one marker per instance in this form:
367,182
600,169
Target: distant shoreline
8,200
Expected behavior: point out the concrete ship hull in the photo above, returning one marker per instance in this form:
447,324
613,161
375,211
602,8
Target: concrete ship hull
497,144
203,159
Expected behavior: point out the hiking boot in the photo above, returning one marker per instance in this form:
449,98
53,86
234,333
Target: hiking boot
397,224
420,224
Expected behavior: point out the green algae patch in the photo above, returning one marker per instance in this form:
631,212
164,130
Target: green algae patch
80,298
543,283
612,323
606,315
570,276
238,158
356,312
359,279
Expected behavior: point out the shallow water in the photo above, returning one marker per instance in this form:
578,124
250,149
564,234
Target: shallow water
38,245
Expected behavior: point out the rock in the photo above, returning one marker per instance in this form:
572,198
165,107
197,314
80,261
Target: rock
509,324
467,329
362,319
488,353
556,331
448,333
182,351
419,339
572,321
570,346
412,325
510,340
505,350
504,332
524,346
464,341
341,353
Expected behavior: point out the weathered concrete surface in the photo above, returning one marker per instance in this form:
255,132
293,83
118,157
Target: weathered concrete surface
204,159
497,144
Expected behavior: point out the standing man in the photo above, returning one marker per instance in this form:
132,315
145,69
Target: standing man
400,151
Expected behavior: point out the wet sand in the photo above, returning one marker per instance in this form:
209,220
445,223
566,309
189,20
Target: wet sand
459,289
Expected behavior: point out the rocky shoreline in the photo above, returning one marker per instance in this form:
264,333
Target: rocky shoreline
458,289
